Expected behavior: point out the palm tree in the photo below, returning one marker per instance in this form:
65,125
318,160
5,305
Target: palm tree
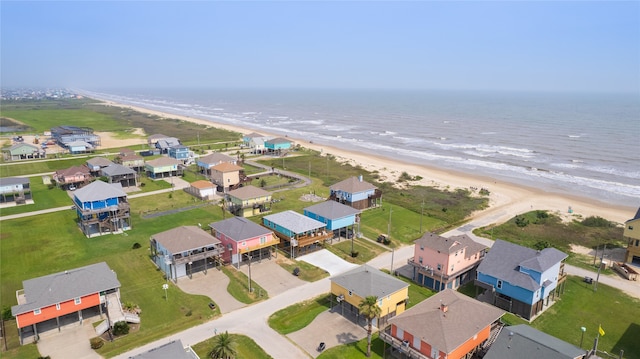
370,310
224,347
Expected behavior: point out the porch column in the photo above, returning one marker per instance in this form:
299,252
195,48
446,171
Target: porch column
35,331
58,322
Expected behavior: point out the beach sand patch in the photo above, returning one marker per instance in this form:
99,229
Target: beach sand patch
311,197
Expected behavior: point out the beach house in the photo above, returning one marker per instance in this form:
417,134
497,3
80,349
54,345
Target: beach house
131,160
278,146
102,208
163,167
74,138
447,325
525,342
23,151
226,176
631,235
299,234
15,190
350,288
244,240
72,177
206,162
96,164
336,216
164,144
248,201
356,192
521,280
116,173
255,142
440,262
184,250
180,153
171,350
58,300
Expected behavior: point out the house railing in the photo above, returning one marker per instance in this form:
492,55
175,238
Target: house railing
401,346
309,239
179,259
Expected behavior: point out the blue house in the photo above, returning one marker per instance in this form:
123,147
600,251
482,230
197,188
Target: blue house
179,152
335,215
102,208
299,234
277,145
521,280
356,192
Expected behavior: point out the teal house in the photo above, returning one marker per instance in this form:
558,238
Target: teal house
335,215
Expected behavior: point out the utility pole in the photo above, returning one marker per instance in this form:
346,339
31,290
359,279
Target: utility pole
421,214
595,287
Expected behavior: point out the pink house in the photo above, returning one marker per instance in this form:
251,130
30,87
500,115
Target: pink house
440,262
244,240
74,176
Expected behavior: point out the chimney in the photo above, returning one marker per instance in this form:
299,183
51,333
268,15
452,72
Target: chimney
444,308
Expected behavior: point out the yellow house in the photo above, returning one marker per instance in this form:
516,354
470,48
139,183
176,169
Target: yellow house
248,201
632,236
349,289
225,175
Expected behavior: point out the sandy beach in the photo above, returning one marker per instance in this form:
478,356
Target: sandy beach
506,199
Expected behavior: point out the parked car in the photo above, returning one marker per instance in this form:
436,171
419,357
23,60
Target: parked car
72,187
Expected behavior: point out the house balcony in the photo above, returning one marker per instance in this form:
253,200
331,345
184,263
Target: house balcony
377,194
198,255
401,346
309,239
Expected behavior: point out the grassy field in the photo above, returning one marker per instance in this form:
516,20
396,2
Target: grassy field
246,348
299,315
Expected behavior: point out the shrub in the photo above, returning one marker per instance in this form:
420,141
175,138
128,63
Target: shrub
540,245
136,245
386,241
354,254
121,328
96,343
595,221
189,313
542,214
521,221
6,313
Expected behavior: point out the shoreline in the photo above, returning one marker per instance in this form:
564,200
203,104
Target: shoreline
505,201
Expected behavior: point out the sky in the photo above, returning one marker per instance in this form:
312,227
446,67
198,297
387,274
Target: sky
586,46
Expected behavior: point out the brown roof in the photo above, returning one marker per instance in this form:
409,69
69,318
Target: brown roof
226,167
216,158
352,185
464,318
184,238
126,151
130,157
202,184
73,170
248,192
450,245
163,161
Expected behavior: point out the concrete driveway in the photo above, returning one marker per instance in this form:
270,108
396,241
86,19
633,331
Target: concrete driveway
329,327
272,277
71,342
213,285
327,261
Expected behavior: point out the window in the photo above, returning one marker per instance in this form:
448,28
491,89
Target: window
36,311
57,306
263,240
439,266
499,285
456,253
244,244
452,267
422,247
420,260
637,242
631,228
77,300
229,247
350,293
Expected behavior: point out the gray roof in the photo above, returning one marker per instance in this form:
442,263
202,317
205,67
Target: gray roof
367,281
294,221
352,185
63,286
168,142
22,144
451,244
248,192
78,144
637,216
99,161
239,228
171,350
332,210
216,158
524,342
464,318
278,140
115,169
185,238
163,161
10,181
99,191
504,260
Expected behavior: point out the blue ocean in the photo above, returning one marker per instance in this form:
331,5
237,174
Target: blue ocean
579,144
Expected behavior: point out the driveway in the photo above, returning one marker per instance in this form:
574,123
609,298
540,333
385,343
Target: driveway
329,327
327,261
272,277
71,341
213,285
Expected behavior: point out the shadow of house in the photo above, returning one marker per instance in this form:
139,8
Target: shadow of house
629,342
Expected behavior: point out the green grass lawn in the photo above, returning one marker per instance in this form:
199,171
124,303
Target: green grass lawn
308,272
356,349
239,287
366,250
405,224
246,348
299,315
26,168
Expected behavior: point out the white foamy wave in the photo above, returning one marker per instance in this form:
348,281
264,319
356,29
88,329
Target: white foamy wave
388,133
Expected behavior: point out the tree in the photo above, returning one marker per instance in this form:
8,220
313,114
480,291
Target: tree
224,347
370,310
